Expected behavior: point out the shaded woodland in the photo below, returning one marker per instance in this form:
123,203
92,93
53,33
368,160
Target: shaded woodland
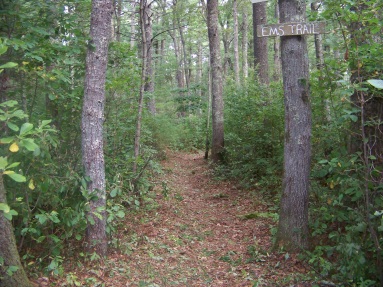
96,96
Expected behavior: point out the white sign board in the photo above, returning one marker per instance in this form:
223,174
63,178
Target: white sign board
291,29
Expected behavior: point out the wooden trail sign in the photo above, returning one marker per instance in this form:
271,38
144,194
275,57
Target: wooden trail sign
291,29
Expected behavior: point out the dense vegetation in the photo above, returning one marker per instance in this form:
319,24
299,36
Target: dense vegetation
42,50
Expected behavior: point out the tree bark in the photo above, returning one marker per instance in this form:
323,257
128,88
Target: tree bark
277,51
260,43
293,228
149,79
184,55
226,48
137,137
318,41
133,24
8,250
235,42
245,63
217,151
118,12
92,123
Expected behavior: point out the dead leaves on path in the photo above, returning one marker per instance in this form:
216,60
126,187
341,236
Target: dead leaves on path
202,233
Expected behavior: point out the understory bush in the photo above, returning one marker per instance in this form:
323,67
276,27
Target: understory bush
254,126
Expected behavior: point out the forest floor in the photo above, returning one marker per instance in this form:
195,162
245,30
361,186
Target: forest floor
197,231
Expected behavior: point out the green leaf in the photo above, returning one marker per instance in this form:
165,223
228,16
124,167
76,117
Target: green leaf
10,104
29,144
11,270
10,214
25,128
8,65
376,83
45,122
42,218
37,151
53,217
3,162
120,214
13,126
19,114
3,49
40,239
6,140
113,193
17,177
4,207
353,118
13,165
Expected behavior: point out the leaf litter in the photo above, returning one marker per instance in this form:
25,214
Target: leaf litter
199,232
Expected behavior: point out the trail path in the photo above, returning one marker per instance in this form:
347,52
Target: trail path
195,235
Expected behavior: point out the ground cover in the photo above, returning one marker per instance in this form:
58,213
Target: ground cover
196,231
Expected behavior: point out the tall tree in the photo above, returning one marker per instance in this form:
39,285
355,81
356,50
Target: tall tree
260,43
293,228
149,78
8,250
144,66
133,23
235,42
92,123
245,65
217,150
277,51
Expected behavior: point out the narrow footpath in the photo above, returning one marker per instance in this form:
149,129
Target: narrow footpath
199,231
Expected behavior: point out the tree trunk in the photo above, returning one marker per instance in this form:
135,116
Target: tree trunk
184,55
133,24
199,69
245,65
118,12
260,43
8,250
235,42
318,41
92,123
226,49
217,151
137,137
277,51
149,81
293,219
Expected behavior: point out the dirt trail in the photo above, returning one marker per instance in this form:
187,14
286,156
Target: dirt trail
195,235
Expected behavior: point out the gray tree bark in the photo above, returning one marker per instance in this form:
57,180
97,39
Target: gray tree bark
245,63
149,79
137,137
92,122
318,41
260,43
227,63
217,151
8,250
293,228
235,42
277,51
133,24
117,6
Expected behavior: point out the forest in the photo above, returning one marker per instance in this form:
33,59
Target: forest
191,143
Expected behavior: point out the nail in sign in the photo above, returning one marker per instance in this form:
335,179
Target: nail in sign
291,29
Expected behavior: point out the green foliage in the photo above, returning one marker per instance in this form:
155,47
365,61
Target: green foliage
346,203
254,134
